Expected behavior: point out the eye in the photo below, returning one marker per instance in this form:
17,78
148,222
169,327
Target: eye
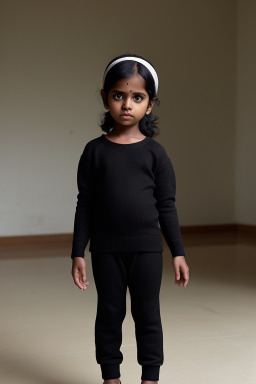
117,98
140,98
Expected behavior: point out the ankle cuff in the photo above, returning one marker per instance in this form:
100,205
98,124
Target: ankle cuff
110,371
150,372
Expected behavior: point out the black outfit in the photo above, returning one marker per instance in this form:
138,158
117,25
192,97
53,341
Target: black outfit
142,273
125,192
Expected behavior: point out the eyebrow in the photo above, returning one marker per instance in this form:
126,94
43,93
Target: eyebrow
117,91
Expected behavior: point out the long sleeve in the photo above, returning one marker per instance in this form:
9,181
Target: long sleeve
165,193
82,219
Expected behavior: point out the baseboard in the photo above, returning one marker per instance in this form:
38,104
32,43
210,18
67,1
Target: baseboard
235,229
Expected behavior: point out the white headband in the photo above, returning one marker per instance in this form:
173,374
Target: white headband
142,61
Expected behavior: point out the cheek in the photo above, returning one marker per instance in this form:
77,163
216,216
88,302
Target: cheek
114,105
145,106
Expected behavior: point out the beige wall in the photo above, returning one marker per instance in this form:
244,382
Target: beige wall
53,57
245,180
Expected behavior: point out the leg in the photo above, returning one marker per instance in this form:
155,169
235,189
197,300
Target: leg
110,280
144,283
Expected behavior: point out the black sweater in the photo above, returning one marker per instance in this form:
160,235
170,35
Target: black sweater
125,192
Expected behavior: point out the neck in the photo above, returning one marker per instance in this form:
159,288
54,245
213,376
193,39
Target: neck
126,132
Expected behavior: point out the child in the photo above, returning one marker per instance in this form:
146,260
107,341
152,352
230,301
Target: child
127,186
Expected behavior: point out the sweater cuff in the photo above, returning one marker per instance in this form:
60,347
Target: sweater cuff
78,249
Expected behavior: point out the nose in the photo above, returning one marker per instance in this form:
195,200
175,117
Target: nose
127,103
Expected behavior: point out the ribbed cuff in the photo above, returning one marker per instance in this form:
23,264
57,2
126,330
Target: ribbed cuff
150,373
110,371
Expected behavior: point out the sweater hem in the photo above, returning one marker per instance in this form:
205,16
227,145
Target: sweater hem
126,244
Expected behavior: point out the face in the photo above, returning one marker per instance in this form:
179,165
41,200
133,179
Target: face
128,96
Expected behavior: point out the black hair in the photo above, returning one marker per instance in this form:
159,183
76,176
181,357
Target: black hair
128,68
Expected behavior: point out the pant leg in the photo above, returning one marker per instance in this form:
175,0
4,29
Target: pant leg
144,281
110,276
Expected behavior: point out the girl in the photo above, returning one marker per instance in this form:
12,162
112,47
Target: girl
127,188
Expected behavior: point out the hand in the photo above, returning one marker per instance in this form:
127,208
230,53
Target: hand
181,270
79,272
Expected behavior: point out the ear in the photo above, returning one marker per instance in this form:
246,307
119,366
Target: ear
104,98
150,106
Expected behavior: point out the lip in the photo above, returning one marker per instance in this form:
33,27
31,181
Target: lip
126,116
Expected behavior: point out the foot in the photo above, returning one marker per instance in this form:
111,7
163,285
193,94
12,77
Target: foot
112,381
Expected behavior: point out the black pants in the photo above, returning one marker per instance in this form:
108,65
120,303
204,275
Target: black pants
142,273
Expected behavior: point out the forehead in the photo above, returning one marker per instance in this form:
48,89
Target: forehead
136,83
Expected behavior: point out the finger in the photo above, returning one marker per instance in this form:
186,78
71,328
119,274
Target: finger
77,282
76,277
84,279
177,272
83,284
185,280
181,280
186,283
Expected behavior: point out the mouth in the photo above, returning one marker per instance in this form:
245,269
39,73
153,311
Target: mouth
126,115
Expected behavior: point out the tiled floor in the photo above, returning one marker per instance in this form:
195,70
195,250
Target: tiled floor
47,323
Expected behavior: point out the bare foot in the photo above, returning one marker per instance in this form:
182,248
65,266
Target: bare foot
112,381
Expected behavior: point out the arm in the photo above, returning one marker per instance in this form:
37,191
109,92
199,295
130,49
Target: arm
165,193
82,222
83,208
